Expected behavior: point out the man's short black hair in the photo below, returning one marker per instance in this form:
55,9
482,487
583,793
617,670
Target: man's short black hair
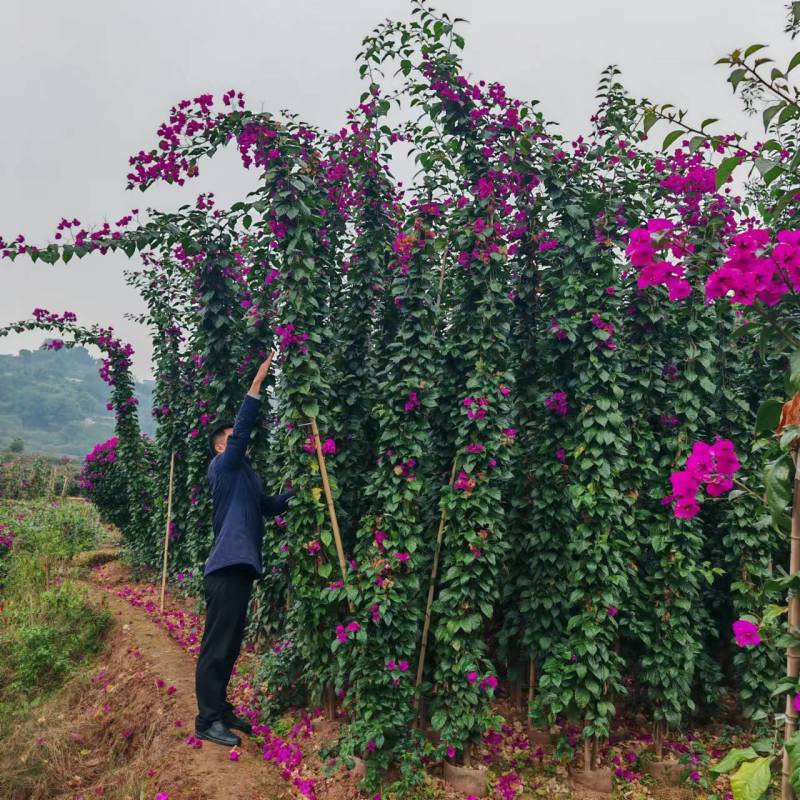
217,431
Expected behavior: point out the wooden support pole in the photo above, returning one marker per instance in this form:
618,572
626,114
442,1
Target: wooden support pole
426,626
166,532
792,653
64,486
329,500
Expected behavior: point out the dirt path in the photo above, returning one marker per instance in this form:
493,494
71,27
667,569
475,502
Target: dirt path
208,768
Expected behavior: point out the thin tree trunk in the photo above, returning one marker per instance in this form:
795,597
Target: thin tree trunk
431,591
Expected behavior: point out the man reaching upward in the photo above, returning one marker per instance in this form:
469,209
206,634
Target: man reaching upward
240,505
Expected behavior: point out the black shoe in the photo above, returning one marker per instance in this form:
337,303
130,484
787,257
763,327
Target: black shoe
239,723
217,732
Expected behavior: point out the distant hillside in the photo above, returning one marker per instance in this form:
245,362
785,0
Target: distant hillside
55,401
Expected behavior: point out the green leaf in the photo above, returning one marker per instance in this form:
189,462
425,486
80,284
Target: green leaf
770,112
670,138
650,119
736,77
793,63
325,569
726,167
733,759
768,416
777,482
752,779
754,48
311,408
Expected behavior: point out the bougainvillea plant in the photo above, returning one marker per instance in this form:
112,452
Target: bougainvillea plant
506,362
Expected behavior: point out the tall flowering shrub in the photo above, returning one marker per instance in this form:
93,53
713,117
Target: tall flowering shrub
547,319
394,545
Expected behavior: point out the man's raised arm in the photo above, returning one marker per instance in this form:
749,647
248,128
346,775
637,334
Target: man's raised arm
236,447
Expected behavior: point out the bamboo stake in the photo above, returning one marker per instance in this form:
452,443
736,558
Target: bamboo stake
792,653
329,500
431,589
166,533
329,696
64,486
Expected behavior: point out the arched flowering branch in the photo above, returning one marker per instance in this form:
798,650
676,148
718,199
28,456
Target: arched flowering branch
115,371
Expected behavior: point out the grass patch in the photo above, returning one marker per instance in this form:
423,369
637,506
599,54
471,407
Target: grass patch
48,627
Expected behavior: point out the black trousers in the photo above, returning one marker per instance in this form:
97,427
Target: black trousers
227,593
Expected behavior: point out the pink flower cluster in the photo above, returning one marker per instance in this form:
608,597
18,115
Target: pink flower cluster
411,403
558,331
464,483
257,145
712,465
509,785
642,252
608,327
102,454
6,537
557,403
477,407
288,337
328,446
188,120
343,631
746,633
488,682
406,469
750,274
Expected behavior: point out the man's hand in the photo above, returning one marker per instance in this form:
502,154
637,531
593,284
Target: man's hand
261,375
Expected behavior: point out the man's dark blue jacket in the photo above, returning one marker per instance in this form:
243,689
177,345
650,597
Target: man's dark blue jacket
240,503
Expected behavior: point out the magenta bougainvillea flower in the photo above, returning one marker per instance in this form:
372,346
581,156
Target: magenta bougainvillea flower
557,403
746,633
411,403
464,483
711,465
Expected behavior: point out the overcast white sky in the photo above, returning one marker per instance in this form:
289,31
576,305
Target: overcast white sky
84,85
